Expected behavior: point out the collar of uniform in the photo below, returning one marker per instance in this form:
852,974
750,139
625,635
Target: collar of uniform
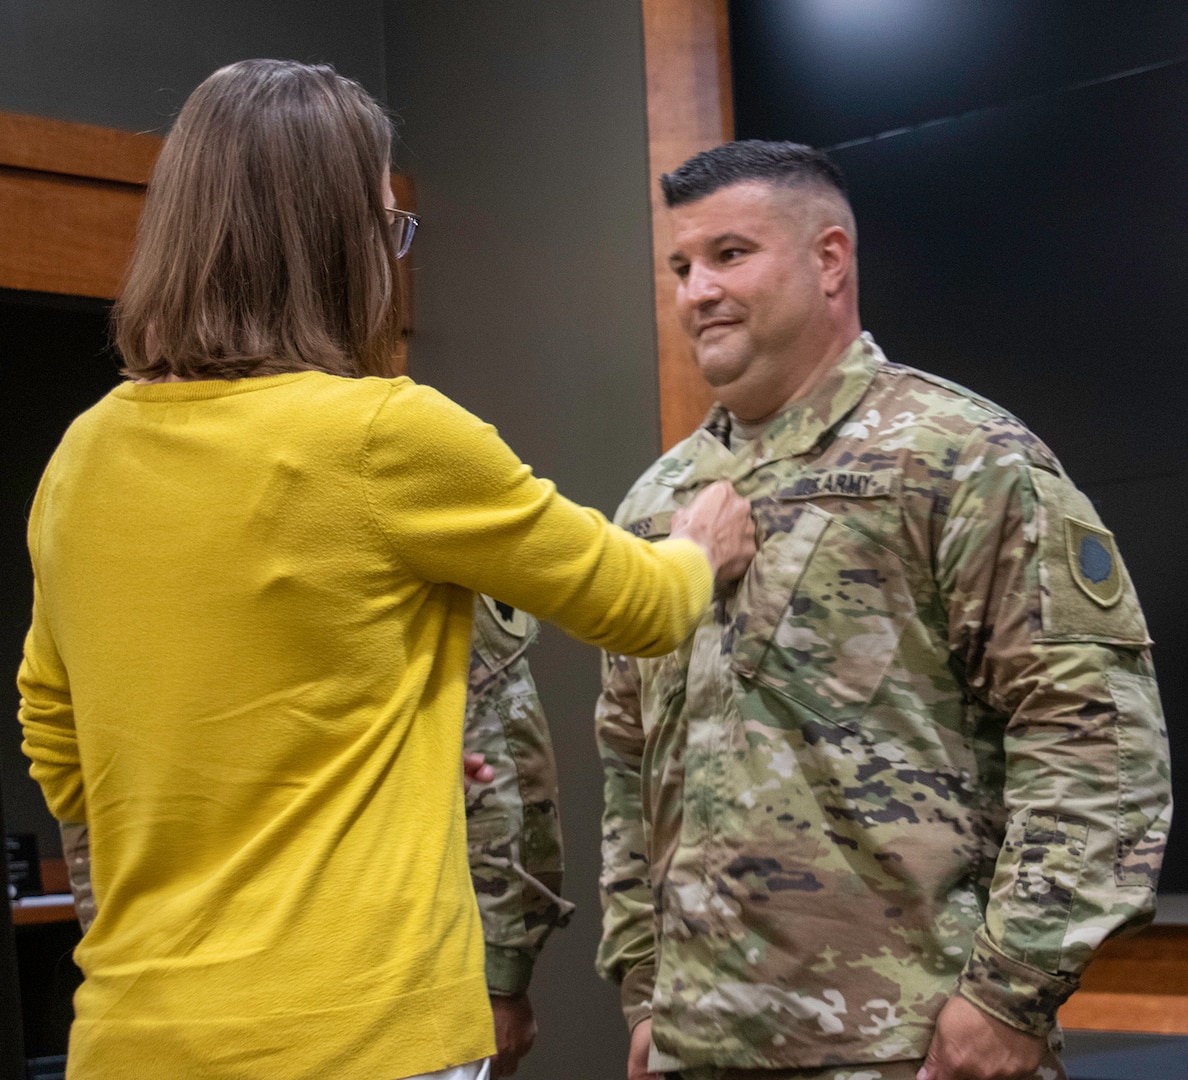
799,427
795,431
700,459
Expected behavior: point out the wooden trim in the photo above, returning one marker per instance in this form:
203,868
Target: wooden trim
70,198
1137,983
62,234
1152,1014
404,190
96,153
43,914
690,108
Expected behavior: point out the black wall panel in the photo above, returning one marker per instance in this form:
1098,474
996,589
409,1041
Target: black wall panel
54,363
1019,172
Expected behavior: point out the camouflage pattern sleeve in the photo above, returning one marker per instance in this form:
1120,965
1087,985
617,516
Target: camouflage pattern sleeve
1047,631
76,852
626,953
512,824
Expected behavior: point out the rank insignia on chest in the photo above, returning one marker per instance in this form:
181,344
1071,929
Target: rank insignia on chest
1093,560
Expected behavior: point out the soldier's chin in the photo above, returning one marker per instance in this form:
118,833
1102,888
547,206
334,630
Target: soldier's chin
719,374
719,371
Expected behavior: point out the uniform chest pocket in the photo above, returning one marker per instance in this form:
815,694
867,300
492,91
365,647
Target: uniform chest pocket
819,616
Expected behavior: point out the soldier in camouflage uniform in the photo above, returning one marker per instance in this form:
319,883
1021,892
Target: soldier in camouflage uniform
512,823
914,765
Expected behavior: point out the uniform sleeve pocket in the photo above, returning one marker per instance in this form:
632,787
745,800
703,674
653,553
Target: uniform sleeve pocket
1050,854
1144,807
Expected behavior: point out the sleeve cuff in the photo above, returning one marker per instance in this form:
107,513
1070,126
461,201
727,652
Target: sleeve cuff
509,971
639,984
1018,994
691,556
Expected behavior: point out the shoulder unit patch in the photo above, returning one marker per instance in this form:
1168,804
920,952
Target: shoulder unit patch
1093,560
510,619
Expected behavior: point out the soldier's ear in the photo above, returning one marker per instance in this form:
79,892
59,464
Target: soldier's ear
834,248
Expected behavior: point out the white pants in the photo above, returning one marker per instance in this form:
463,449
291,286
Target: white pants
476,1070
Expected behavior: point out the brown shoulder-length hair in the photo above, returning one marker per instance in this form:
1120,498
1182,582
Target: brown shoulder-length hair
263,246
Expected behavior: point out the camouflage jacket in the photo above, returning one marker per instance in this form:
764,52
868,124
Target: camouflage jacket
512,826
918,750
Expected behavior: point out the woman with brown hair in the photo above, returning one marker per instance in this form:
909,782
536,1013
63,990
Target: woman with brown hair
254,563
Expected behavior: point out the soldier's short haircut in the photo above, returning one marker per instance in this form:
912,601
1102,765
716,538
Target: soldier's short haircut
784,164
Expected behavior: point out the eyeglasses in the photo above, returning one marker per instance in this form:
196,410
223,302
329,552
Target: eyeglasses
403,224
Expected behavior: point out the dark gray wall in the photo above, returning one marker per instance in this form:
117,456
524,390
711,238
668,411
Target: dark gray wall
131,63
524,125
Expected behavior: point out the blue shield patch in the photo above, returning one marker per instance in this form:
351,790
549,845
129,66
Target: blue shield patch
1093,559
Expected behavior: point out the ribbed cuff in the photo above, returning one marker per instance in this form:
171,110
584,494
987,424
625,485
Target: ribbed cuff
1018,994
639,984
509,971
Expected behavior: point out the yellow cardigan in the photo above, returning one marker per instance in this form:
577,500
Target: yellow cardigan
246,671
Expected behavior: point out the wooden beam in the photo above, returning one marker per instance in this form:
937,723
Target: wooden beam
70,198
61,234
690,108
97,153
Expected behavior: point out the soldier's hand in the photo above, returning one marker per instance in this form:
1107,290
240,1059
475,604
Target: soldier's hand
637,1056
515,1032
719,522
475,770
969,1044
